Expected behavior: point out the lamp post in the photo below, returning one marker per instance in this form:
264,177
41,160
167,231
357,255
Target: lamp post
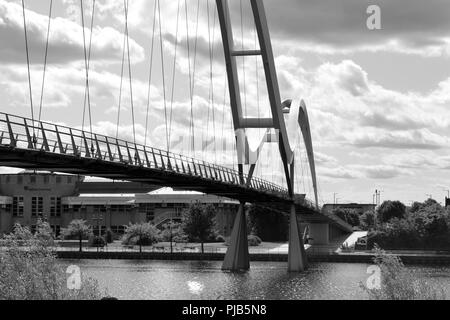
97,217
334,200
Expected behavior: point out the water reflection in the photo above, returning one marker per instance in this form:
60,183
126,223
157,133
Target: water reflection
137,279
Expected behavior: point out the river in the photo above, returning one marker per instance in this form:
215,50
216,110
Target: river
144,279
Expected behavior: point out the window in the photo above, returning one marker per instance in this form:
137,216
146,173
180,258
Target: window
65,208
7,179
37,206
55,207
18,206
76,208
99,208
58,179
33,179
69,180
95,230
118,229
46,179
19,179
148,209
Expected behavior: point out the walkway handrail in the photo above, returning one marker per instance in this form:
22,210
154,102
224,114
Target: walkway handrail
21,132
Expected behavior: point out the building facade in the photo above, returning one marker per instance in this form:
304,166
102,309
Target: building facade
28,196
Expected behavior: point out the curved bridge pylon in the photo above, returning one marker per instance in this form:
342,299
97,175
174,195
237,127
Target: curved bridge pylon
37,145
237,256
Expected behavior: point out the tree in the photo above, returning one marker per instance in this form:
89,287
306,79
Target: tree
348,215
267,224
142,234
368,220
79,229
390,209
432,222
198,222
172,231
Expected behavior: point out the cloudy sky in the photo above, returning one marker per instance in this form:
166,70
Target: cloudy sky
379,100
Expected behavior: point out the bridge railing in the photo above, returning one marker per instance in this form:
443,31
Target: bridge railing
24,133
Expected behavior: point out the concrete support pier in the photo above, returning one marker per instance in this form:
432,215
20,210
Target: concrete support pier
237,257
297,260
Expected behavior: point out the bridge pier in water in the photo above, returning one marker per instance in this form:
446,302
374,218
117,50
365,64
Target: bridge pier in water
297,260
237,257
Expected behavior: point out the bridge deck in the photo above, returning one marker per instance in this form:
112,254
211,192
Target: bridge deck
51,147
45,146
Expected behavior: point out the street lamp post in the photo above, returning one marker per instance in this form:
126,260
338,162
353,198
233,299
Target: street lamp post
98,217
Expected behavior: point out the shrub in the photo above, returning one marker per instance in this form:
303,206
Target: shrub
35,274
254,240
141,234
97,241
399,283
109,236
176,233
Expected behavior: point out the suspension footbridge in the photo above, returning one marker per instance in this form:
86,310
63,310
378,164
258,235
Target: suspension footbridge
27,142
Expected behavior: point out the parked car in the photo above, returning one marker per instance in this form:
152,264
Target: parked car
361,243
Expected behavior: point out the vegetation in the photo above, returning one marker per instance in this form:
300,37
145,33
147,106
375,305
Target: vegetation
77,229
425,226
348,215
399,283
34,274
267,224
141,234
391,209
198,223
173,231
254,240
368,220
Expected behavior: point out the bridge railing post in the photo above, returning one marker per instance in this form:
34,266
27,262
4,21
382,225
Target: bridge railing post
12,139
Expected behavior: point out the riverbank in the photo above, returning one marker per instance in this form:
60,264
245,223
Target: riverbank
356,257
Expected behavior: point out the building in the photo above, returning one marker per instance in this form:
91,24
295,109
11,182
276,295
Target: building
447,202
360,208
58,199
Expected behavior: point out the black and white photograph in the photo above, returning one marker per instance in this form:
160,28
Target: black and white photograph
252,151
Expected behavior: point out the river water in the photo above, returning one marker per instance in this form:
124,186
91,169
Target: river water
137,279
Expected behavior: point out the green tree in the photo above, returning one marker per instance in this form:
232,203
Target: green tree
142,234
78,229
198,223
390,209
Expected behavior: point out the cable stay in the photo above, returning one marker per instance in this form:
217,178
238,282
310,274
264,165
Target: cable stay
45,58
173,75
87,65
130,78
150,72
28,68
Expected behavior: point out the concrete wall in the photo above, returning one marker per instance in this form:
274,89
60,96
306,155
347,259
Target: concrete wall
320,233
